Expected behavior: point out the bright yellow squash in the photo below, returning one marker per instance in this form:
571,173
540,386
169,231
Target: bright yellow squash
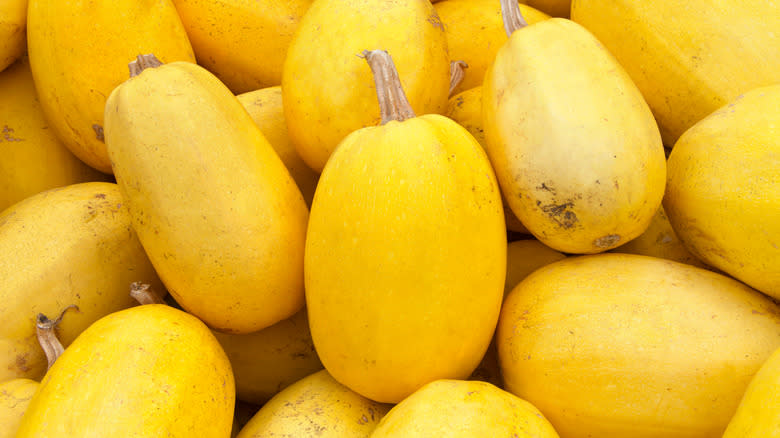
524,257
463,409
216,210
148,371
758,414
475,32
265,107
723,189
405,253
32,159
13,22
556,8
316,405
67,246
15,396
79,52
328,89
623,345
574,145
688,57
243,42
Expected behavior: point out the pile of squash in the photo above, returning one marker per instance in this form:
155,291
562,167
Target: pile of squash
390,218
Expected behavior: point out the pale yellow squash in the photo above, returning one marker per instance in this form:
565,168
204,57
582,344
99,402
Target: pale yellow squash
13,23
574,145
316,405
688,57
269,360
79,52
62,247
216,210
463,409
623,345
405,255
723,189
475,32
758,414
15,396
147,371
556,8
243,42
32,159
265,107
327,87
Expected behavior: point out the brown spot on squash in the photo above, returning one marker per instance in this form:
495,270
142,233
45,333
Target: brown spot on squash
606,241
98,132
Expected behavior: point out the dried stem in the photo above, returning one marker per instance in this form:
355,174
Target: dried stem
142,62
45,330
393,104
144,294
457,72
513,18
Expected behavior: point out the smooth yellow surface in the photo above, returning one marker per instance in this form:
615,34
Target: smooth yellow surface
622,345
556,8
758,414
269,360
216,210
243,42
689,57
32,159
327,86
660,240
524,257
15,396
316,405
475,32
723,189
79,51
405,257
72,245
148,371
13,22
574,145
463,409
265,107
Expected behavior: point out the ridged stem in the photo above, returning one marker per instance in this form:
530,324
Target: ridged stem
513,18
142,62
393,104
45,331
457,72
144,294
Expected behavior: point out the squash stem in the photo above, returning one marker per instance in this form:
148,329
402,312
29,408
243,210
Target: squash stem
45,331
142,62
513,18
393,104
144,294
457,72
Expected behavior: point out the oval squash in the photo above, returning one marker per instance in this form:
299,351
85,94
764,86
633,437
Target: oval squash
15,396
13,23
758,414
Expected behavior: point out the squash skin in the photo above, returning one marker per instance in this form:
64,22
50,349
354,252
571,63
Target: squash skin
218,213
15,396
327,88
723,189
32,159
681,54
405,253
555,8
150,370
574,145
13,38
71,245
623,345
758,414
79,52
243,42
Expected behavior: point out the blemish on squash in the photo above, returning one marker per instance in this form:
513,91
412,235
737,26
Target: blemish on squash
606,241
8,134
21,362
560,213
98,132
436,21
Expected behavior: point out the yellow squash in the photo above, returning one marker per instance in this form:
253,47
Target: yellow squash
15,396
316,405
758,414
32,159
265,107
475,32
328,89
574,145
405,253
524,257
13,22
556,8
623,345
723,189
79,52
243,42
148,371
688,57
216,210
67,246
269,360
463,409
